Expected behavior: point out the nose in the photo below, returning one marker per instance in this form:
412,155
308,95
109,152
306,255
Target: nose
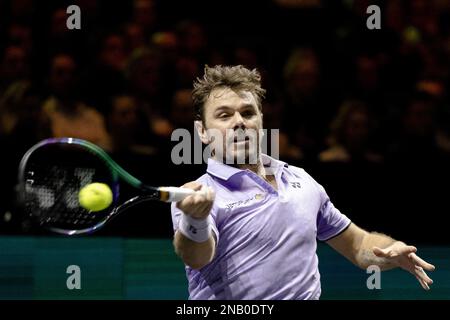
238,121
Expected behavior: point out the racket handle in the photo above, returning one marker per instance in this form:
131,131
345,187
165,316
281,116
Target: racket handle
175,194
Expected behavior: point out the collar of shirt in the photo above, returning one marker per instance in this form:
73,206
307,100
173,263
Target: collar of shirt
225,172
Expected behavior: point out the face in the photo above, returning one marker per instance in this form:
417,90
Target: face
356,130
124,115
232,124
113,54
62,75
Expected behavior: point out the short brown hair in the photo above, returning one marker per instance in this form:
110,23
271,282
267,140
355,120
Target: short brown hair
233,77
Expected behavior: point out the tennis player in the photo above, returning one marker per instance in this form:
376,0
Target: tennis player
253,233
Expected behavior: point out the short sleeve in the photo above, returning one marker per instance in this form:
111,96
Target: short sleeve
330,221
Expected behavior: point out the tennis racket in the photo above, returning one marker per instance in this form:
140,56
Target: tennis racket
52,173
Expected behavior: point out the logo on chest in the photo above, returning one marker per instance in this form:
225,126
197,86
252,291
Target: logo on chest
256,197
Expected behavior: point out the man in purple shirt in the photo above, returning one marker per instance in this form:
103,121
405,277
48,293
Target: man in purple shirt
251,232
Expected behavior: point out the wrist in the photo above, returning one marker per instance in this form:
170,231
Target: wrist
198,230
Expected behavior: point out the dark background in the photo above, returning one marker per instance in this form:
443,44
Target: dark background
365,112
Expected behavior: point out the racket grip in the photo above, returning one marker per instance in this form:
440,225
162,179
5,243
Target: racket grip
174,194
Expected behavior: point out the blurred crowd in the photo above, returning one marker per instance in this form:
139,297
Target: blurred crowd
366,112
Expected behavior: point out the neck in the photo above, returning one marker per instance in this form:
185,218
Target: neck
260,171
257,168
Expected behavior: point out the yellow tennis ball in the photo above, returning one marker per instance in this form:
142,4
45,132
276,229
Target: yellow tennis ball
95,196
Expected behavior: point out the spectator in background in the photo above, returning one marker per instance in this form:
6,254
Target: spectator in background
367,82
308,109
133,37
14,67
144,71
181,117
59,38
20,35
435,88
350,136
167,43
417,166
63,114
416,143
63,77
106,77
192,52
77,120
19,107
273,111
58,27
16,104
128,131
351,167
18,97
112,54
193,40
181,111
145,16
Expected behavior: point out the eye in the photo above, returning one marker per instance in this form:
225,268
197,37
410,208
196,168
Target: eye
223,115
248,113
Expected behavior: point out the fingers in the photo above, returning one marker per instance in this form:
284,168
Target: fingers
423,278
210,195
407,250
194,185
412,263
423,275
421,263
423,283
204,194
389,252
199,204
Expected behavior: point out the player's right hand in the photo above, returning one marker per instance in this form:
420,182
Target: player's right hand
198,205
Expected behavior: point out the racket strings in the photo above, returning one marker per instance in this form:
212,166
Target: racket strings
52,199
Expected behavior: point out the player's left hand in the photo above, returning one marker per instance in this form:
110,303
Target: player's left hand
404,256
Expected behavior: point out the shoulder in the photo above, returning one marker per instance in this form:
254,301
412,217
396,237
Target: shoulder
298,172
302,175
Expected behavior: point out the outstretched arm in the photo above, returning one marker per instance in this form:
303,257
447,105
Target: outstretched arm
196,208
365,249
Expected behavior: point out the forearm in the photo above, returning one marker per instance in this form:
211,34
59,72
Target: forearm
365,256
194,254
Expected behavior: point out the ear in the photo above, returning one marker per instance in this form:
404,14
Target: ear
201,130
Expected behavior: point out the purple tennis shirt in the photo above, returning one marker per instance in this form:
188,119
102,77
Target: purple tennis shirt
266,239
